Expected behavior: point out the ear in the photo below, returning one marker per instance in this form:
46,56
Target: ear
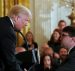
73,38
15,18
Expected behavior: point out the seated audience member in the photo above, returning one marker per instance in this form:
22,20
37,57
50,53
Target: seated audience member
46,64
54,41
29,56
43,47
68,41
63,53
61,24
30,42
48,51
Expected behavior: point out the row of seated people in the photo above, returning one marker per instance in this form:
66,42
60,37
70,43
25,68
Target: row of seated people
26,59
55,38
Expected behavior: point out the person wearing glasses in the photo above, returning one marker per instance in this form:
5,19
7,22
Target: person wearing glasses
17,18
68,41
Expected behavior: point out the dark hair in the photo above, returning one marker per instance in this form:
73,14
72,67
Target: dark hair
61,21
42,59
51,41
70,30
64,48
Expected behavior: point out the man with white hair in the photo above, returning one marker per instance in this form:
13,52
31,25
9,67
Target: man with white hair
17,18
68,41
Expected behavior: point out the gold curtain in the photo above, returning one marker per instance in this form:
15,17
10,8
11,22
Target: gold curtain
5,6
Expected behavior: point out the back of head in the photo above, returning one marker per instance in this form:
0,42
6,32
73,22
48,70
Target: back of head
48,51
70,30
19,9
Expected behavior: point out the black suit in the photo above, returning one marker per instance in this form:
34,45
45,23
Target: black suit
69,65
7,46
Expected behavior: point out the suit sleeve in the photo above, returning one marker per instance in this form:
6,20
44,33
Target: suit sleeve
69,65
8,52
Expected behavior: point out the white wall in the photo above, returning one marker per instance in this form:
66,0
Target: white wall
46,14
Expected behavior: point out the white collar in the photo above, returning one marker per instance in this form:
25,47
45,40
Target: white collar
12,22
70,50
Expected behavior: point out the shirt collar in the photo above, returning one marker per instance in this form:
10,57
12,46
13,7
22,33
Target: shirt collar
12,22
70,50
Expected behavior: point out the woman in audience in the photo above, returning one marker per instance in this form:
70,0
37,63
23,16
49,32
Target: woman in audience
61,24
54,41
30,41
55,56
46,63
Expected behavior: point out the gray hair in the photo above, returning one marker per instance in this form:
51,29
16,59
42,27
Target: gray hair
19,9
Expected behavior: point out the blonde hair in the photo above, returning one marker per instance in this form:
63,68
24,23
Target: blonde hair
19,9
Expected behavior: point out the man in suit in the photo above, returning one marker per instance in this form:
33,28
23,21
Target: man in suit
68,41
18,17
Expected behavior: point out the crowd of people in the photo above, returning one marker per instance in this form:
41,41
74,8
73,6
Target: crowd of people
55,55
58,52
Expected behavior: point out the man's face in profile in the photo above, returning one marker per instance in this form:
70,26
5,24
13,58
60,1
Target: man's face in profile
21,21
66,40
63,53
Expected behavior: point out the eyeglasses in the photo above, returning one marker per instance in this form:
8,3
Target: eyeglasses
64,35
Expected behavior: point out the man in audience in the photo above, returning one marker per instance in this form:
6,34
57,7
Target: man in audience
67,40
63,53
17,18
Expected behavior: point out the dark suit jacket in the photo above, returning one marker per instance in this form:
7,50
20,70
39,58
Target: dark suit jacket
69,65
7,46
